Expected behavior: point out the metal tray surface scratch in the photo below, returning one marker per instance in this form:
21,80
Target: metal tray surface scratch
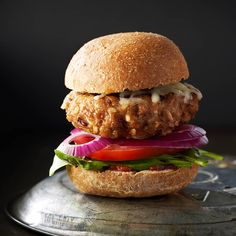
54,207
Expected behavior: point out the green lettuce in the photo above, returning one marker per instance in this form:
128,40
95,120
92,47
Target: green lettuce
56,165
182,159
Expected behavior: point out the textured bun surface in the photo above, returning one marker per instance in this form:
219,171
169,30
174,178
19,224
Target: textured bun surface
125,61
131,184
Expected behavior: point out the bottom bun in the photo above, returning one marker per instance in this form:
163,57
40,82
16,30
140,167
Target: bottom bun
121,184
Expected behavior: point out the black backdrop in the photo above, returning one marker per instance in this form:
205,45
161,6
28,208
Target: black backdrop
38,39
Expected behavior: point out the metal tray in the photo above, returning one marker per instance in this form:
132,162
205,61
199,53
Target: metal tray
54,207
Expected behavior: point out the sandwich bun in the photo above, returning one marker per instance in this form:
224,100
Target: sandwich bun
120,184
125,61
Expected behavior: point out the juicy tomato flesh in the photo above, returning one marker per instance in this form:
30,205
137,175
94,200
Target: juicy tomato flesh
116,152
124,153
83,139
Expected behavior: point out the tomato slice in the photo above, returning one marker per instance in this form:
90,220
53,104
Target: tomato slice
83,139
116,152
127,153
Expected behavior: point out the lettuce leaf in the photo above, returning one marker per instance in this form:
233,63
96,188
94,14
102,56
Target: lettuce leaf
56,165
182,159
210,154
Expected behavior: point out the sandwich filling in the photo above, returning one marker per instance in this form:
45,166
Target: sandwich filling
176,150
134,130
133,114
180,89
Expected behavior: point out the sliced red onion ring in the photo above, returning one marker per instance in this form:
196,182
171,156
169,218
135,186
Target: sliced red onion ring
194,143
191,143
76,130
186,136
84,149
188,127
188,143
189,136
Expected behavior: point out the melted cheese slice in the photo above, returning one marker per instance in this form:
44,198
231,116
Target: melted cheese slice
180,89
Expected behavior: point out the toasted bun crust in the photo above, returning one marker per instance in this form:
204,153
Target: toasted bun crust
125,61
131,184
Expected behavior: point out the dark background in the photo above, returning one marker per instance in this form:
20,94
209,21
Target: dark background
38,38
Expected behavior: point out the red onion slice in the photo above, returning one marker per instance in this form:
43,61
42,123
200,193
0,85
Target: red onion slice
84,149
76,130
186,136
188,127
188,143
191,143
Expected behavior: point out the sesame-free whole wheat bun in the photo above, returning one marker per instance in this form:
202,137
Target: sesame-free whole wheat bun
121,184
125,61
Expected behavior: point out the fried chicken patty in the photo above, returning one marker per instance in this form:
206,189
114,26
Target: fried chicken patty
113,117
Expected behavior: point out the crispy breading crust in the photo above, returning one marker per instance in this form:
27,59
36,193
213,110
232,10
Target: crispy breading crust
140,118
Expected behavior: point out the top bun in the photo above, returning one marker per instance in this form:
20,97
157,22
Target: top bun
125,61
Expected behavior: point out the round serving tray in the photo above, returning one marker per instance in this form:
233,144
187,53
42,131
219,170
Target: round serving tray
54,207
